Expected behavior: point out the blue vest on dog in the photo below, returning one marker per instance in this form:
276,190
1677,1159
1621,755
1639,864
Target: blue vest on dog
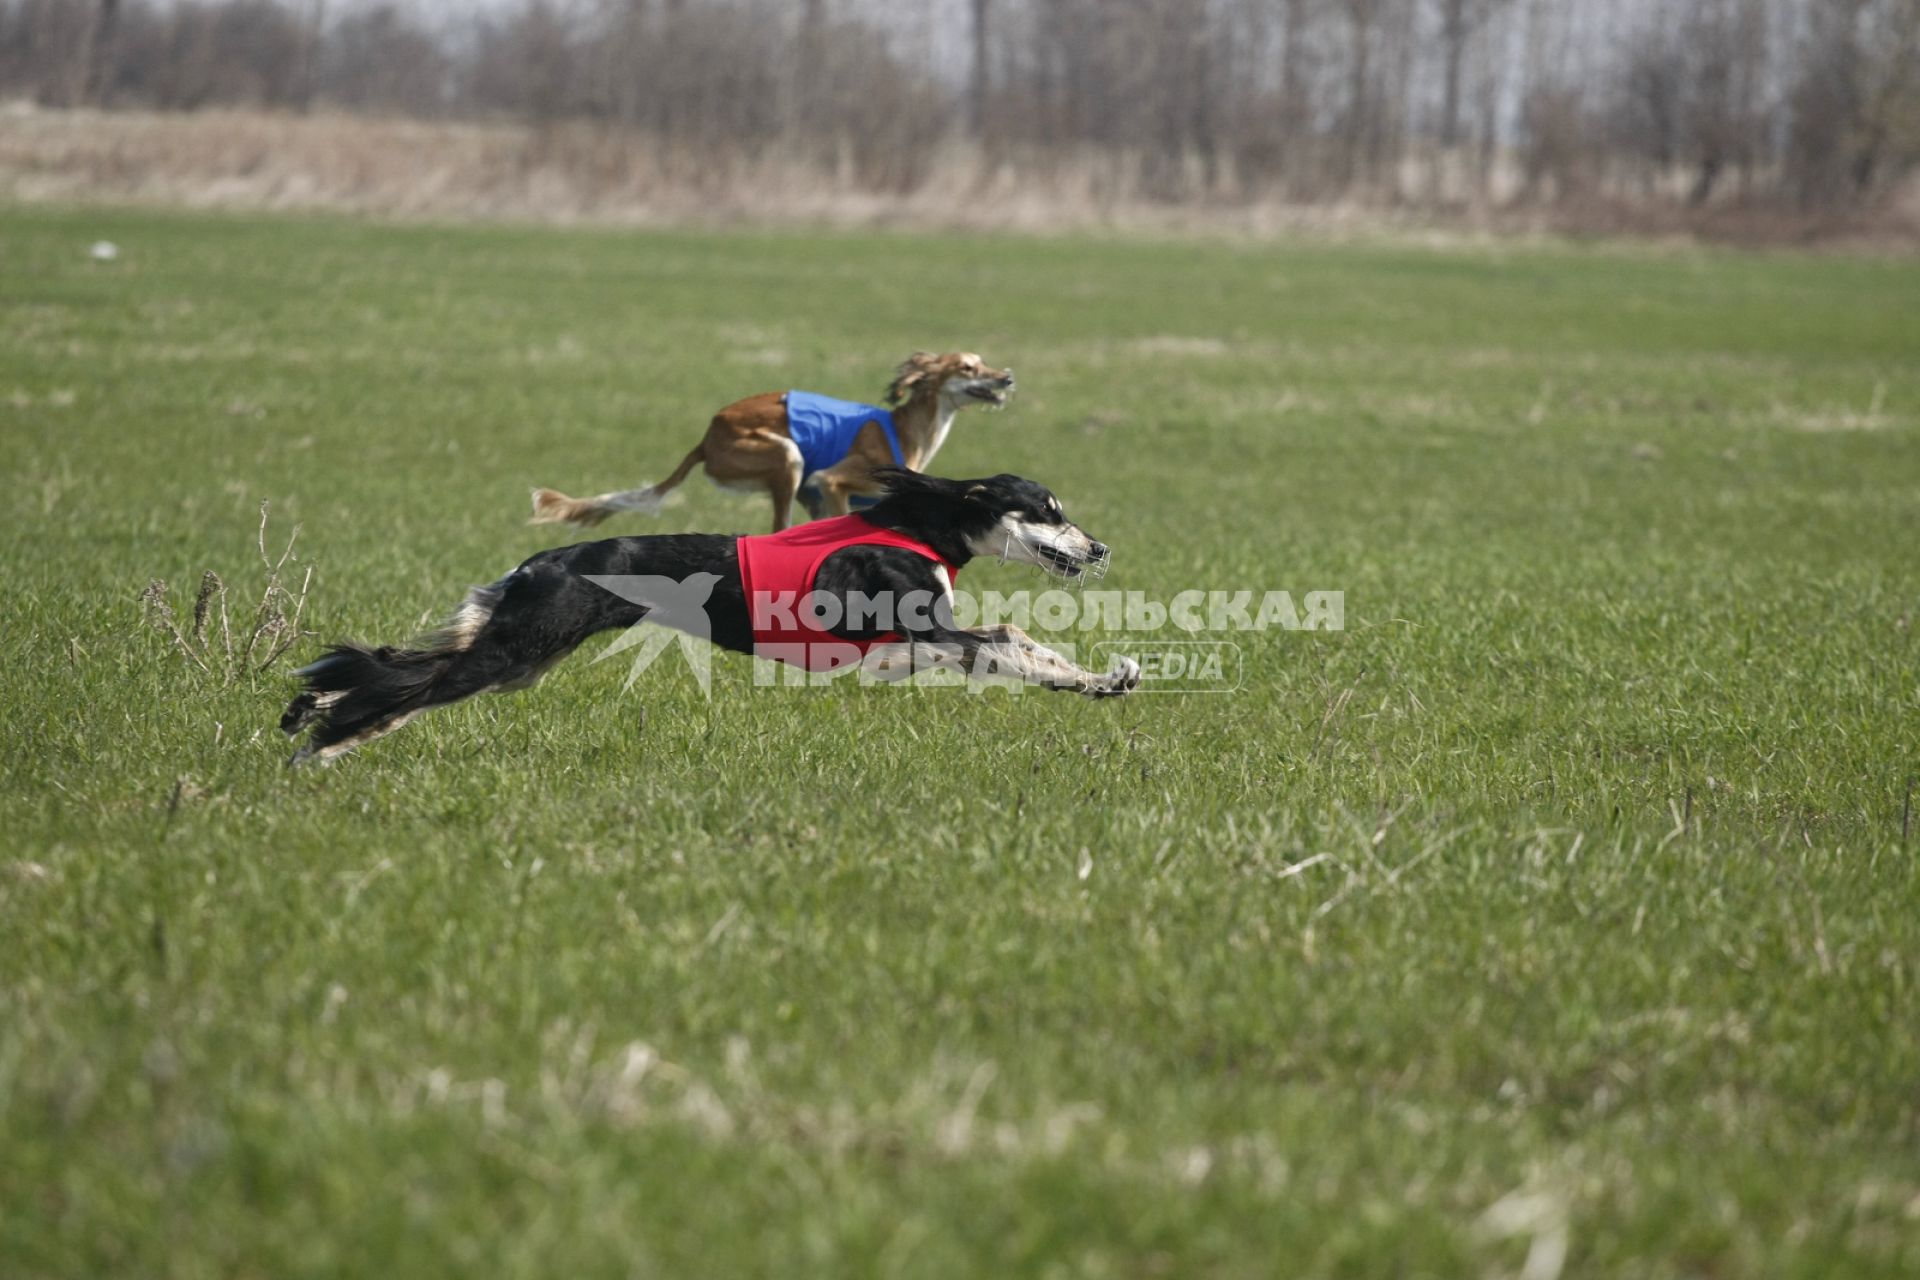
823,428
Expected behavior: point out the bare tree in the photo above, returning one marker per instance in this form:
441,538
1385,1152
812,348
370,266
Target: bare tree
1684,102
378,59
977,87
1460,20
1361,16
99,53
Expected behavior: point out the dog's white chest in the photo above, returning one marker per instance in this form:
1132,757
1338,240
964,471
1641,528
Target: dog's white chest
942,424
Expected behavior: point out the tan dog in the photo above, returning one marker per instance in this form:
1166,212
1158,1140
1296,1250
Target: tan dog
750,445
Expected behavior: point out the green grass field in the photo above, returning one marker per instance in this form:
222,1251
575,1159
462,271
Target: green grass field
1612,966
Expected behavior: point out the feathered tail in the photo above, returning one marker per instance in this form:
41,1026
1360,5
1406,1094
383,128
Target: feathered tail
550,506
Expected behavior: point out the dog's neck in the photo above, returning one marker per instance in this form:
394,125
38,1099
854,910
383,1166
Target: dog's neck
922,423
929,522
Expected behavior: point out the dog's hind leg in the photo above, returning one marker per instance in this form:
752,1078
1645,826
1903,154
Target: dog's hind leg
355,694
504,637
784,485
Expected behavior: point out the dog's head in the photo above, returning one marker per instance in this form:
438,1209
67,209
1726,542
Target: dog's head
959,378
1001,516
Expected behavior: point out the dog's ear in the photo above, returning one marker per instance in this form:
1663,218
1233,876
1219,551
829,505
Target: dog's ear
912,374
985,491
898,481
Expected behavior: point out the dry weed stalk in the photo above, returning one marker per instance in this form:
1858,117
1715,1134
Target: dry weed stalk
272,627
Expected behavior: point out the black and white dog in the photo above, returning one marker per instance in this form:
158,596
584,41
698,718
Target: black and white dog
506,635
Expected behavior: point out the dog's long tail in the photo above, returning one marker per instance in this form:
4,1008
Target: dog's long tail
354,693
550,506
503,637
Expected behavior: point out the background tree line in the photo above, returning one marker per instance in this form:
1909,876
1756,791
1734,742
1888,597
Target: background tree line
1803,103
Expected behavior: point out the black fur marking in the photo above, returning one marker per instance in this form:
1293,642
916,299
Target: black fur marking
547,607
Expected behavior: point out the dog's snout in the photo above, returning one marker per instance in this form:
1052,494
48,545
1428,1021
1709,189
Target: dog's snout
1099,550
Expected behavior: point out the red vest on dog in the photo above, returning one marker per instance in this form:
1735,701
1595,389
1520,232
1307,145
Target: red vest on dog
777,572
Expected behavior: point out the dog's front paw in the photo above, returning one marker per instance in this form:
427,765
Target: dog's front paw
1122,680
